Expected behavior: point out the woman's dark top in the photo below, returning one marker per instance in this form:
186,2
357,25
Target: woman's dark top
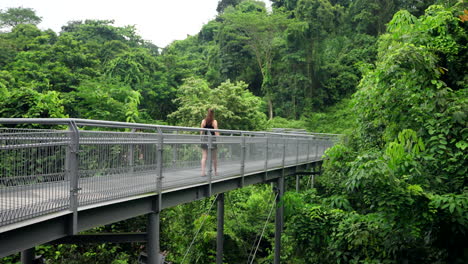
210,126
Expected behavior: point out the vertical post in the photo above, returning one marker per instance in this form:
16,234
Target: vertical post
297,162
297,150
309,139
131,154
27,256
312,177
230,145
159,172
320,144
284,153
248,150
210,161
72,174
317,148
279,220
312,181
152,246
174,153
297,183
266,157
243,151
220,230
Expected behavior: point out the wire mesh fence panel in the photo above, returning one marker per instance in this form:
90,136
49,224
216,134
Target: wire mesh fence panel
115,165
32,173
255,154
275,152
314,149
181,165
321,148
291,151
226,157
303,150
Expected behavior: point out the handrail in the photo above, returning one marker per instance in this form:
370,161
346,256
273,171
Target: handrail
118,124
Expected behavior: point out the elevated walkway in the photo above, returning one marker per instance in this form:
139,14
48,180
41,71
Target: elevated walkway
59,181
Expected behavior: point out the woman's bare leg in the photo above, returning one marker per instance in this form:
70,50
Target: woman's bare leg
215,161
203,161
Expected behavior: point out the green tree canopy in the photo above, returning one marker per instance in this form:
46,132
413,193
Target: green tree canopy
261,32
235,107
14,16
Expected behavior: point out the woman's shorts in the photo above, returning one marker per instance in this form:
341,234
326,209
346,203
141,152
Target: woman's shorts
205,146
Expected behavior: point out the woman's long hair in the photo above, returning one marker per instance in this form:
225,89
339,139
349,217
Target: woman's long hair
209,117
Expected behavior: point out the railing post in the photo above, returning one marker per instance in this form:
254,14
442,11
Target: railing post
174,153
131,154
159,161
210,162
230,145
284,152
248,149
317,148
319,151
243,151
322,146
266,157
297,150
153,245
72,174
308,150
297,162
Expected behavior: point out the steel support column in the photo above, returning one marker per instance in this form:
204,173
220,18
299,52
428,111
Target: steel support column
152,246
27,256
297,183
220,230
279,219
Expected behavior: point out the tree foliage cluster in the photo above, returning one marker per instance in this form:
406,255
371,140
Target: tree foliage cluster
396,192
300,57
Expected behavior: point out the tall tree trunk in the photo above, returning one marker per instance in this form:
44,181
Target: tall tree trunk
294,106
270,108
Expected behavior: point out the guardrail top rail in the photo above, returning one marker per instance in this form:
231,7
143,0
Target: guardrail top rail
53,170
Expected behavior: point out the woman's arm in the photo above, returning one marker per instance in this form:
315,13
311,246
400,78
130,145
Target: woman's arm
215,126
202,126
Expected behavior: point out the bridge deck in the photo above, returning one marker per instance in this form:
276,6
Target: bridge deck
49,196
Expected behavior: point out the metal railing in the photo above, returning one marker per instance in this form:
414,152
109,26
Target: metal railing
52,170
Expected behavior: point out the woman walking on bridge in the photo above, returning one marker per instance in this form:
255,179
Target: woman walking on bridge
210,123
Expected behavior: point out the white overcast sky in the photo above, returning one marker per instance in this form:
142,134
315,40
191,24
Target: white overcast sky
160,21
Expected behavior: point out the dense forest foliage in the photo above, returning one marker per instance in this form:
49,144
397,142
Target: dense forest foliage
390,74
